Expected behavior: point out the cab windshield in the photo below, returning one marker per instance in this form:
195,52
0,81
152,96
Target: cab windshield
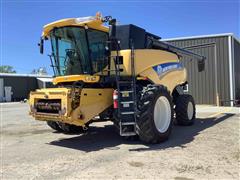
77,50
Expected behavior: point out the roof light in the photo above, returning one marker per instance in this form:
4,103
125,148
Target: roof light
98,16
84,19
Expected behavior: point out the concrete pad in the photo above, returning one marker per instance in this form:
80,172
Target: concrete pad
31,150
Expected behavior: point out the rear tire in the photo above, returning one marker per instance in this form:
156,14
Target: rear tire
155,117
54,126
185,110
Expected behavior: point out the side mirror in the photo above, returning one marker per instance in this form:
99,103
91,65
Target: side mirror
201,65
41,44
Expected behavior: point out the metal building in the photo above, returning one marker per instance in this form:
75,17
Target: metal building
16,87
219,84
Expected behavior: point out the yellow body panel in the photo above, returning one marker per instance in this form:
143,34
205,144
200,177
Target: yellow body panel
170,80
73,78
92,102
145,59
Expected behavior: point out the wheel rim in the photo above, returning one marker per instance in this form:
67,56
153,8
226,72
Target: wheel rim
162,114
190,110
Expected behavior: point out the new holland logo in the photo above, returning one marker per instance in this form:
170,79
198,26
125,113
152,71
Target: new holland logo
162,69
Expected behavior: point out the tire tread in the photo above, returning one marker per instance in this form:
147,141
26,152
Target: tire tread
145,123
181,110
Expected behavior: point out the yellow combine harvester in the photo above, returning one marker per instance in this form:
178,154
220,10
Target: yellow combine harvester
121,73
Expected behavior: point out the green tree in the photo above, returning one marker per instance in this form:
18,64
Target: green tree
7,69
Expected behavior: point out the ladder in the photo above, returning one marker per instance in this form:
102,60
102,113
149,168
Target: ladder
127,103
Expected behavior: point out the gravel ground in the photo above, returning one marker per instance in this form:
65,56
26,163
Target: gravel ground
207,150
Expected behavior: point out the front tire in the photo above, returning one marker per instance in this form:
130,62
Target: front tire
185,110
54,126
71,129
155,117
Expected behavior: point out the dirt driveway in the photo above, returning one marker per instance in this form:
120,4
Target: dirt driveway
208,149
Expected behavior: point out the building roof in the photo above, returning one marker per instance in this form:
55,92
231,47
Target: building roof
25,75
45,79
201,36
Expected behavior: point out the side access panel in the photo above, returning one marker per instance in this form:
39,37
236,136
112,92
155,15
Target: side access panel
92,103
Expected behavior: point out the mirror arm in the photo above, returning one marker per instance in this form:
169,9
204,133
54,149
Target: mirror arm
41,45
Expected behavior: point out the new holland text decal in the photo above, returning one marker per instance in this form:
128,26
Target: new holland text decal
162,69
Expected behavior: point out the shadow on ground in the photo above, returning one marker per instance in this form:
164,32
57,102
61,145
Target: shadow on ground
107,137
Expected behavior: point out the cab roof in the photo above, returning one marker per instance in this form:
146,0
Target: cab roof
94,22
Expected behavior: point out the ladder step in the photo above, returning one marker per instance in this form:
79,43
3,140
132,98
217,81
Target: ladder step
131,112
126,92
127,102
125,82
127,128
128,134
128,123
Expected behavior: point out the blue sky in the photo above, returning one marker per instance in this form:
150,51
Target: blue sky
22,22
